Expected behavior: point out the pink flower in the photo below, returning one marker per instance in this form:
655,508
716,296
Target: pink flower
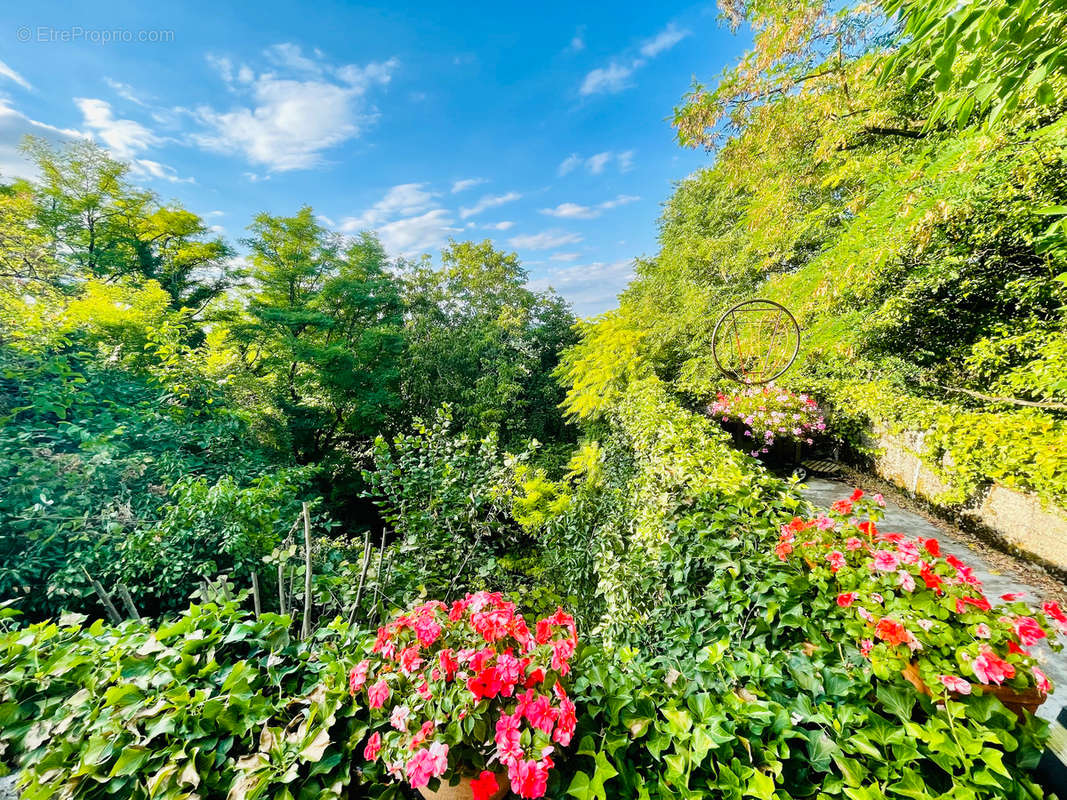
865,615
484,786
909,552
906,581
990,668
836,559
507,738
853,543
374,746
358,676
541,714
885,561
399,718
378,694
982,631
824,523
1028,630
529,779
410,660
866,646
845,599
1042,681
879,500
427,764
956,684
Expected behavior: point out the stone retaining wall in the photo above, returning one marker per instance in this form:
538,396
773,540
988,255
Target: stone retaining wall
1019,519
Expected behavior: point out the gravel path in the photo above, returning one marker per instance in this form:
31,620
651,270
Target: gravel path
998,572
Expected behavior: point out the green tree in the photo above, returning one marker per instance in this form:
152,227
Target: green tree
322,334
482,341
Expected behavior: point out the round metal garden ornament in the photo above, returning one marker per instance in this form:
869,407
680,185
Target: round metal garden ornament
755,341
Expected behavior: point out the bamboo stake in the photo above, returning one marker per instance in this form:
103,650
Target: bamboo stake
112,612
281,588
256,604
362,576
127,601
305,627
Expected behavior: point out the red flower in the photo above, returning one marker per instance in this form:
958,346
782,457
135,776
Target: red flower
374,746
1028,630
540,713
446,658
1014,648
868,528
933,547
836,559
932,580
485,685
842,507
1054,611
409,659
783,549
484,786
978,602
856,495
891,632
845,599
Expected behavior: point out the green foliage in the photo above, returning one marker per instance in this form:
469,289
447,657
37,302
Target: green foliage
481,341
443,495
987,58
213,704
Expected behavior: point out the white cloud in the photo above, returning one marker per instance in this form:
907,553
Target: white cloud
11,75
14,126
591,288
595,164
610,79
565,256
576,211
467,183
289,120
577,43
615,77
404,199
125,91
545,240
569,164
488,201
499,226
406,219
663,41
124,137
416,235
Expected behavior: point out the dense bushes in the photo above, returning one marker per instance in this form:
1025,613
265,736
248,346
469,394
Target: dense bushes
213,703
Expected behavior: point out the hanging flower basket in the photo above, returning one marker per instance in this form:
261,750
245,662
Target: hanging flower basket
1014,699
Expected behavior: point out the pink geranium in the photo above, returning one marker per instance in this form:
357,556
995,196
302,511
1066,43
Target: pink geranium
956,684
990,668
885,561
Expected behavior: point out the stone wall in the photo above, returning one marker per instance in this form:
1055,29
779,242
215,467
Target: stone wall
1019,519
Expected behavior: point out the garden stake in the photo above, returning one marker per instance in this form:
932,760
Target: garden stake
127,601
112,612
305,625
255,594
362,575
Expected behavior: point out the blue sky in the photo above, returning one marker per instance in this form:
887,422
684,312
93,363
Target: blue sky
540,126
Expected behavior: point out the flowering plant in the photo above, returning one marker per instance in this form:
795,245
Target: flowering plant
769,413
905,603
455,689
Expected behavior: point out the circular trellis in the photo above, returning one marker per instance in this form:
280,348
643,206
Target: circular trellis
756,341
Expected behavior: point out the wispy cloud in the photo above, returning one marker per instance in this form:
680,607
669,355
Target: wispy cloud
569,164
576,211
488,201
545,240
11,75
465,184
591,288
403,199
616,75
290,118
407,220
125,91
499,226
596,163
127,139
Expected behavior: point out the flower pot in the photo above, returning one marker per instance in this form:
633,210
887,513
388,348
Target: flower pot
1013,699
462,790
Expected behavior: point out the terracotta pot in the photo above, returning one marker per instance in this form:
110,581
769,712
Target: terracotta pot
462,789
1013,699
